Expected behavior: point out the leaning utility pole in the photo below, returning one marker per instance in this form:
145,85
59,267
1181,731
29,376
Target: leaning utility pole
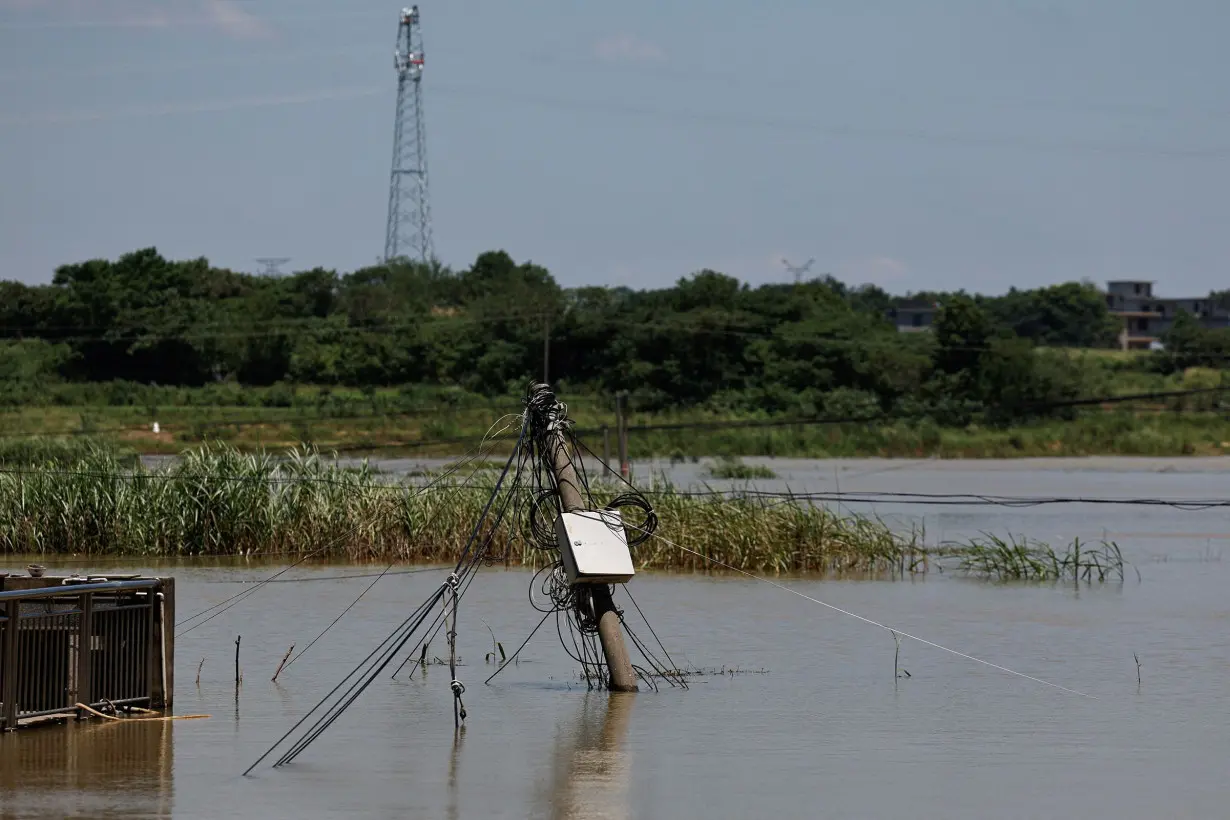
408,230
592,594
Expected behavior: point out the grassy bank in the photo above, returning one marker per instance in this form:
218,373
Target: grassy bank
391,421
219,501
1159,433
1113,432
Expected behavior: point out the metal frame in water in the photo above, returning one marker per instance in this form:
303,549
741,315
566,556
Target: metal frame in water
124,627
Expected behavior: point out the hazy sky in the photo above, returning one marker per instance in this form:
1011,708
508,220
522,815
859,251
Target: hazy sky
953,143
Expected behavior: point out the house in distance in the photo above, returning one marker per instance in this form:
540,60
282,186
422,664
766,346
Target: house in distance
1145,317
913,315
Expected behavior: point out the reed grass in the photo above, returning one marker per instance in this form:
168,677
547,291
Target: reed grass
215,500
734,468
41,451
1024,559
218,501
759,534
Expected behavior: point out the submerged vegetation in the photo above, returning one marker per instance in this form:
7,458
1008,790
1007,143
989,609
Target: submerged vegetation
216,500
734,468
1023,559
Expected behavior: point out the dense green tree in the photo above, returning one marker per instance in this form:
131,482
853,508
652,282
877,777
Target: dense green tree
1187,343
816,347
1073,314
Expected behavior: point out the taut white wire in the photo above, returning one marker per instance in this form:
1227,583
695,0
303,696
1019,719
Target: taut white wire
867,620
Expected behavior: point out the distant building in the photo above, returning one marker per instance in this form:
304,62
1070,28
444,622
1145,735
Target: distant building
1143,316
1146,317
913,316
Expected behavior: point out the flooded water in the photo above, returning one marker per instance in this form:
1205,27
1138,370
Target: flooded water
812,724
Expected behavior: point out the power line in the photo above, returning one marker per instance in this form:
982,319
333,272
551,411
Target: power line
123,21
650,320
734,493
198,107
878,418
745,74
234,600
1035,407
893,630
370,667
836,131
666,114
717,425
289,418
162,67
947,499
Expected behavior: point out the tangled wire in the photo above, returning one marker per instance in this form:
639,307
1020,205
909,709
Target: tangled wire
549,432
540,452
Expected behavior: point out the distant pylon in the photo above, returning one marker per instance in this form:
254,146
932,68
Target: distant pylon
798,270
271,265
408,233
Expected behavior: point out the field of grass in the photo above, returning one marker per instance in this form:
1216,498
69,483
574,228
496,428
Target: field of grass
219,501
1094,433
1110,432
424,420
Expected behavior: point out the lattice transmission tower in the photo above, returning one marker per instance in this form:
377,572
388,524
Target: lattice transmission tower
272,265
408,233
798,270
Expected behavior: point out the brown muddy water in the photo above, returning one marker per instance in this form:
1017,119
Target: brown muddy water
826,730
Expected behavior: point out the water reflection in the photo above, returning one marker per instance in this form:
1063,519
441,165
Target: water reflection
87,769
454,762
592,769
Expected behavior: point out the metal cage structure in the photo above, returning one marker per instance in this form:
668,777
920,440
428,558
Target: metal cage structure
100,644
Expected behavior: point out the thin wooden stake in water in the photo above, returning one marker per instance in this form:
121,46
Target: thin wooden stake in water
283,663
198,672
621,433
1137,668
897,671
238,638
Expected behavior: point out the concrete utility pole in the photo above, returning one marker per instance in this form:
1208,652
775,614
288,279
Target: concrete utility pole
610,631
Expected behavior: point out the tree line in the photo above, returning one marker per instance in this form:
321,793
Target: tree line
817,347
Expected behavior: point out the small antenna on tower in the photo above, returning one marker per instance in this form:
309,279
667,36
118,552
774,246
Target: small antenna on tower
272,265
797,270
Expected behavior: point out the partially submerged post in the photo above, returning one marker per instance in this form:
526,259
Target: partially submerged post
595,589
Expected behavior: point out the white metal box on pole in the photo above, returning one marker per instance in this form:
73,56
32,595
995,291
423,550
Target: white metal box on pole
594,547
